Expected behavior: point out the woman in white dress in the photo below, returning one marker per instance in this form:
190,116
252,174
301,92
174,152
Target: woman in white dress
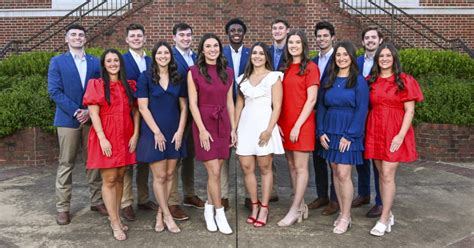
257,111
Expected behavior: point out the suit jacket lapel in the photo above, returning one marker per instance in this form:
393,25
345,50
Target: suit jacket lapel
244,59
179,59
228,55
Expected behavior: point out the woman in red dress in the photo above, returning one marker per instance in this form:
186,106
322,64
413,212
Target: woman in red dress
114,137
389,134
297,121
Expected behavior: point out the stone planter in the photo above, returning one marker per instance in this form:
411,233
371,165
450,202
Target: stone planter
445,142
30,146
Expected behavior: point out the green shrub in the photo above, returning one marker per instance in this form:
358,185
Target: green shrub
25,104
447,100
34,63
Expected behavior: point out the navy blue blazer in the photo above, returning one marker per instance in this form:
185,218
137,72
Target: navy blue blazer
324,73
280,63
65,87
244,58
360,64
181,63
131,67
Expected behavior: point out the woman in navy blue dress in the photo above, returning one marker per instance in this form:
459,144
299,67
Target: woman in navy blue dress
162,103
341,115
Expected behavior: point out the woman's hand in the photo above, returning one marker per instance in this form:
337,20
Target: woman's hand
106,147
132,143
264,138
396,143
324,139
233,138
177,140
160,141
344,145
295,132
205,140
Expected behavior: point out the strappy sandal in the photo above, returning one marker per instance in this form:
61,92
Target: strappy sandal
159,225
259,223
118,234
174,229
340,230
380,228
251,219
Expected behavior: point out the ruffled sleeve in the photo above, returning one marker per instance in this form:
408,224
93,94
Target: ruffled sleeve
412,91
312,75
142,86
94,93
274,76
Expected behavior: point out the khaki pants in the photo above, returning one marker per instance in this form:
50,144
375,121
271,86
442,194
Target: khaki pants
141,179
186,166
70,142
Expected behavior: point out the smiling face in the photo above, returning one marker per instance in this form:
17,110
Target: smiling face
371,41
112,64
135,39
343,60
163,56
258,56
211,50
236,33
385,59
295,46
183,39
279,32
324,39
75,38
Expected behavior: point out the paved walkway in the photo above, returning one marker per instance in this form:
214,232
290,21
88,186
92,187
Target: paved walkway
433,208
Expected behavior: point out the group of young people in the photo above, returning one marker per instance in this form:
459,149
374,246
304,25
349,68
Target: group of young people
179,105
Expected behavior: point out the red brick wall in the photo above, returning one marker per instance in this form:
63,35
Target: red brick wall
446,3
30,146
444,142
24,4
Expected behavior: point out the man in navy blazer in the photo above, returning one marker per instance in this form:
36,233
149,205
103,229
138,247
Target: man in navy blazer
184,58
68,75
136,61
371,40
280,29
325,34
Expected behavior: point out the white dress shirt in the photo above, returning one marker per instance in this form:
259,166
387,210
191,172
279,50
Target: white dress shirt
81,65
368,63
236,55
323,61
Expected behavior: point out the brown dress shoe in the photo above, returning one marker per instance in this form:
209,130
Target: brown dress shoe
374,212
128,213
248,204
193,201
331,208
101,209
318,203
225,203
178,213
149,205
359,201
62,218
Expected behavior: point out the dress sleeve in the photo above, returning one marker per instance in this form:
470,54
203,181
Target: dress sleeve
412,90
94,93
321,112
312,77
357,126
276,75
142,87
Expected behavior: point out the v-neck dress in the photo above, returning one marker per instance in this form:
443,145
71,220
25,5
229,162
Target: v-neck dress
164,107
255,117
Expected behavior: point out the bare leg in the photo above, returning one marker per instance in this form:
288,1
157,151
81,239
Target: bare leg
109,194
213,168
265,165
248,168
388,188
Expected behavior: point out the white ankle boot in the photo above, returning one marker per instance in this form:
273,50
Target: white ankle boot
209,217
221,221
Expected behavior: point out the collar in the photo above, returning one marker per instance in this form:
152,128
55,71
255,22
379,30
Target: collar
328,54
189,53
238,50
136,55
367,57
81,56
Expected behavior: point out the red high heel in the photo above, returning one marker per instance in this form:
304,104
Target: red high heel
251,219
259,223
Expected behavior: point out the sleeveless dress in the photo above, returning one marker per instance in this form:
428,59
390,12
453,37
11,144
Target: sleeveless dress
341,113
212,104
294,97
117,125
164,107
255,117
386,116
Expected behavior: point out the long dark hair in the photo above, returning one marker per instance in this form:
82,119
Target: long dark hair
249,68
221,62
333,69
396,67
122,76
305,54
174,76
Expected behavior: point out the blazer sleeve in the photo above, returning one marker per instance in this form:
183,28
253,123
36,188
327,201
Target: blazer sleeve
56,89
357,126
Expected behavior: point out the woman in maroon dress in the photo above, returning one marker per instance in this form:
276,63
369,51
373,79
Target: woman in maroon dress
113,139
297,121
389,135
211,104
